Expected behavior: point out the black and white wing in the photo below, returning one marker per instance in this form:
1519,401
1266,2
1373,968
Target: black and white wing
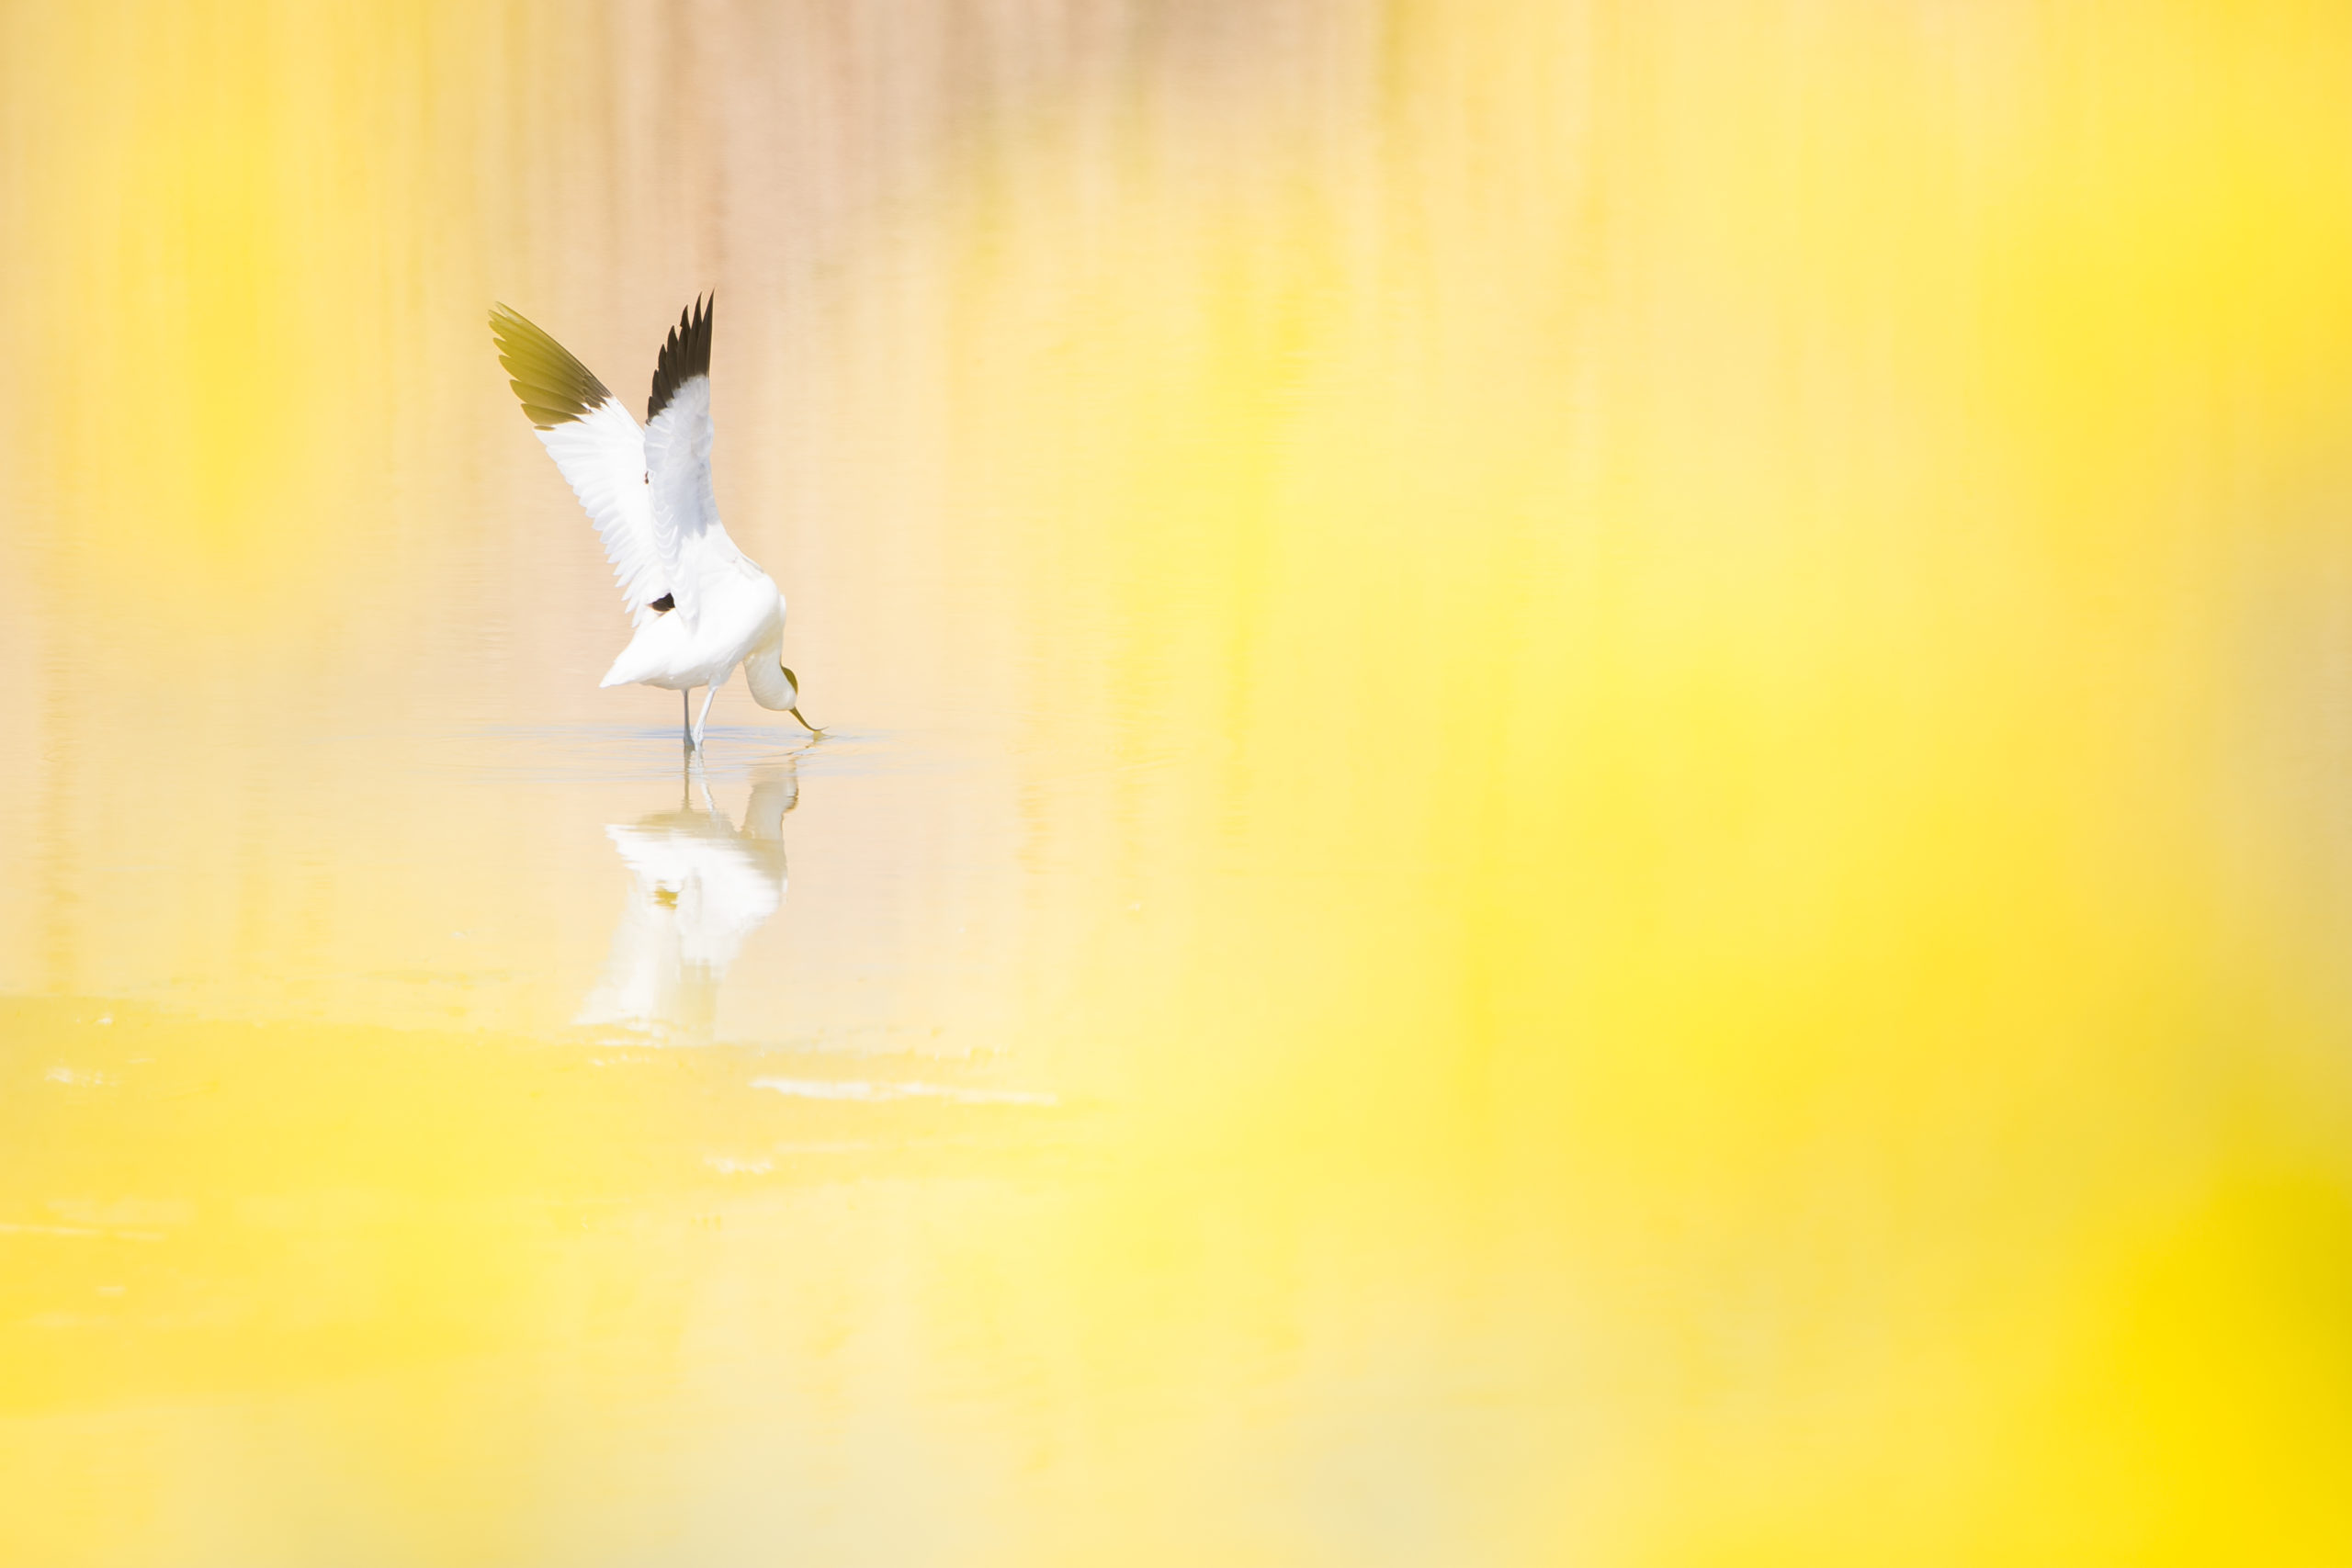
677,456
601,452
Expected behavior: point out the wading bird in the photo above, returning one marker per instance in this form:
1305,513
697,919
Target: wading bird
700,605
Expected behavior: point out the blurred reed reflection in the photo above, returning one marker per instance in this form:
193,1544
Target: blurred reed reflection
698,885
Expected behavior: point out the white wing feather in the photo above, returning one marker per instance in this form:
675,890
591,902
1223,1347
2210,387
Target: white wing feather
600,450
685,509
602,457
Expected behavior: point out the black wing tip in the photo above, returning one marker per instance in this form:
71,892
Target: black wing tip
553,387
685,354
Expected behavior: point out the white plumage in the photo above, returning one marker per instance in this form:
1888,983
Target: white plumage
700,607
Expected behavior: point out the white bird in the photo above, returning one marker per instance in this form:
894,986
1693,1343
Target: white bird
700,605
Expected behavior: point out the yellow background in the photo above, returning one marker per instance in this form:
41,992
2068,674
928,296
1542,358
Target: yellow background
1607,742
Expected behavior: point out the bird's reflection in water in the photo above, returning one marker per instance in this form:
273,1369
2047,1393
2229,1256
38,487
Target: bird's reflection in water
699,886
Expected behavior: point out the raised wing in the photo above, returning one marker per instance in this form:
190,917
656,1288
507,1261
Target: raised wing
601,452
677,455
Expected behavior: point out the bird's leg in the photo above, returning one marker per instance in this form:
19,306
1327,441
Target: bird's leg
686,717
708,692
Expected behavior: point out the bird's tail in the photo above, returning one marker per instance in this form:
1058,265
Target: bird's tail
647,654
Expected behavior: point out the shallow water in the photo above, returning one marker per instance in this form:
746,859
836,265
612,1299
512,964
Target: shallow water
1580,798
